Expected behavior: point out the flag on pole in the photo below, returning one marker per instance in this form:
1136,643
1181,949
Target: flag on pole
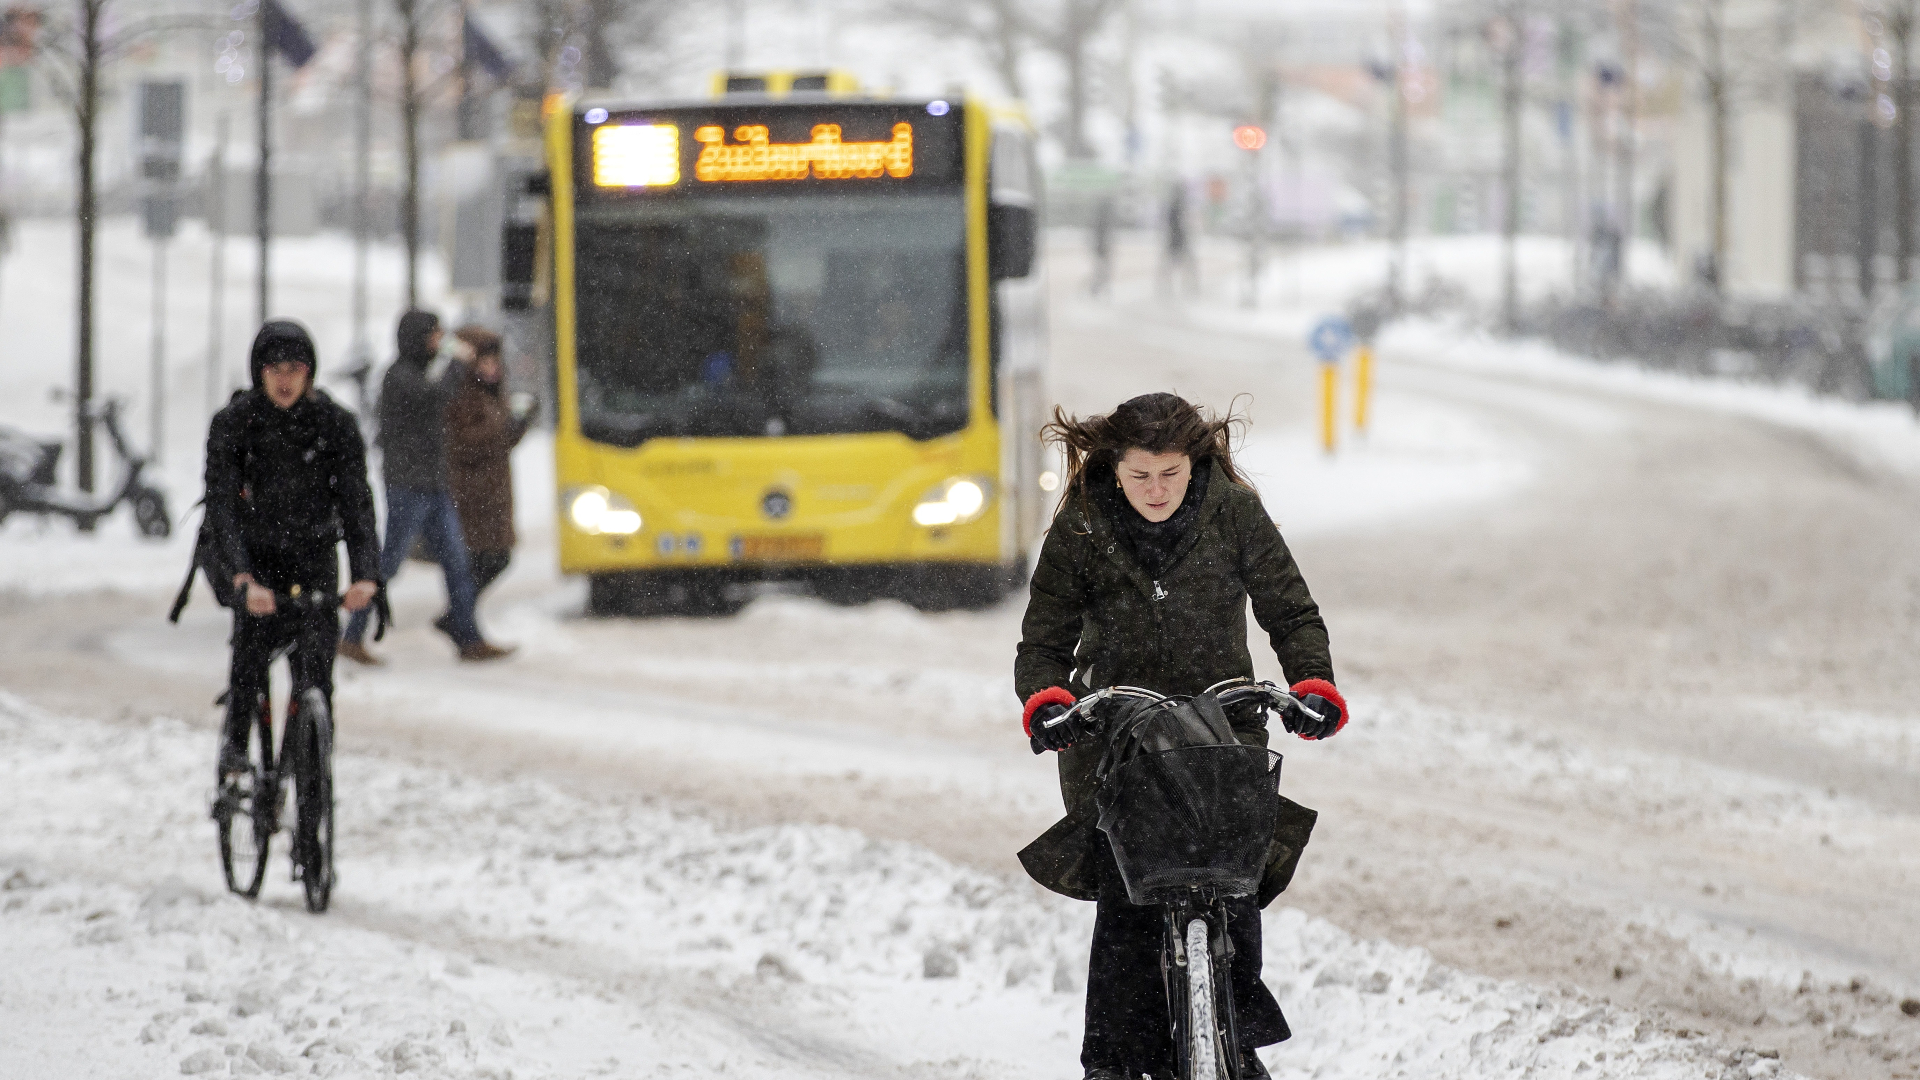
482,51
286,36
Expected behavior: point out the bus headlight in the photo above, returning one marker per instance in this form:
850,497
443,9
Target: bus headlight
599,512
954,502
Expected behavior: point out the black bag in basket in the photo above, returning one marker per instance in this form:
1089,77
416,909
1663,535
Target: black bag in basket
1184,804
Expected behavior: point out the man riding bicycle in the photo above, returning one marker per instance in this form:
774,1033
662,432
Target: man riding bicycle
286,483
1144,580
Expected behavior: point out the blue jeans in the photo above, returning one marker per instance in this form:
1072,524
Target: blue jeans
411,513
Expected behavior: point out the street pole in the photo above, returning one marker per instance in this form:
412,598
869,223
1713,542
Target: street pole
217,263
263,182
362,152
1397,156
157,414
1629,124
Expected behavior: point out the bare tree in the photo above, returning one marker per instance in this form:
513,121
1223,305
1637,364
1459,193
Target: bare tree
412,18
1735,51
78,48
998,28
1507,34
1003,29
1899,21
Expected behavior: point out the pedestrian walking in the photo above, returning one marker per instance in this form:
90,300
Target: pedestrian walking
482,430
414,397
1177,262
1102,280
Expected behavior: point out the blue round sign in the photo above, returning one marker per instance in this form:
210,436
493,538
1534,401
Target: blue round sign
1331,338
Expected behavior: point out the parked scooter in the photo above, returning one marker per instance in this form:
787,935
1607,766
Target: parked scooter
28,484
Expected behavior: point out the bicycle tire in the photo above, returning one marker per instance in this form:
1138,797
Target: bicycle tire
1205,1061
246,820
313,801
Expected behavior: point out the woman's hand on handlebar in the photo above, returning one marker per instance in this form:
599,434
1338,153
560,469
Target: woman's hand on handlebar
1051,732
259,600
359,595
1320,711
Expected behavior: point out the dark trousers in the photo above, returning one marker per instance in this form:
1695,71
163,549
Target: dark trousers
255,638
1126,1021
414,513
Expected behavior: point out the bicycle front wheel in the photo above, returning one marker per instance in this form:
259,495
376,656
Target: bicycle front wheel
1205,1057
247,814
313,800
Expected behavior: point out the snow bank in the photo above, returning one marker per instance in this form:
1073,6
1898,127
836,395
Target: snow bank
1879,434
494,928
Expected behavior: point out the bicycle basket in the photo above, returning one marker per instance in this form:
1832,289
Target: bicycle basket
1197,816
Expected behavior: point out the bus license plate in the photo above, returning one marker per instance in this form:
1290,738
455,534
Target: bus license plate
791,547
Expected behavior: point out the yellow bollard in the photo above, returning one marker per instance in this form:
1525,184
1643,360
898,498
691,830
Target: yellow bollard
1362,386
1329,405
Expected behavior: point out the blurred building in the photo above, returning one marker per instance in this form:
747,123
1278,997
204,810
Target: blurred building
1809,185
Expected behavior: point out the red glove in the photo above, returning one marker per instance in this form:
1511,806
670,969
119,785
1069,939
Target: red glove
1322,697
1052,695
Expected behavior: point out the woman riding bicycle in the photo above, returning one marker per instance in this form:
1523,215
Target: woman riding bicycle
1144,580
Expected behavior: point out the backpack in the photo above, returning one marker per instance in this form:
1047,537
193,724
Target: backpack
206,560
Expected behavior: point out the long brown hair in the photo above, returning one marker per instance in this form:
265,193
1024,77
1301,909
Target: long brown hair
1156,423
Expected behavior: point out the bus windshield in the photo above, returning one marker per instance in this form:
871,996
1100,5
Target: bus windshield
763,314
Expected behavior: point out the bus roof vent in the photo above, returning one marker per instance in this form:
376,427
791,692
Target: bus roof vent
783,83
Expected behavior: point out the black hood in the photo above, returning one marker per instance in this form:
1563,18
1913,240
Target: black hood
416,330
282,339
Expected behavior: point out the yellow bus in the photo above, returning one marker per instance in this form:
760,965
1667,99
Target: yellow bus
799,336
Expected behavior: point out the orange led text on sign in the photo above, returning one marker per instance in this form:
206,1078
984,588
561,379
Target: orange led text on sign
752,156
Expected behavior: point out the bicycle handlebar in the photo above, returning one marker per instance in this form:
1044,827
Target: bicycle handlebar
1266,694
297,599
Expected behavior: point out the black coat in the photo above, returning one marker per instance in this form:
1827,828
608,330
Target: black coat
413,421
1096,618
284,486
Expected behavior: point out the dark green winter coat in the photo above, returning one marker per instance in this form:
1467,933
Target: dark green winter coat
1095,619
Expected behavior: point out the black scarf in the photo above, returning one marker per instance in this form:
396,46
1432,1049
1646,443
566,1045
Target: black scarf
1152,543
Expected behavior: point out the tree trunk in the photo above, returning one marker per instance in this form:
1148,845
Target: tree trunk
410,132
1902,33
263,179
1629,222
1722,119
602,67
1075,55
87,111
1512,99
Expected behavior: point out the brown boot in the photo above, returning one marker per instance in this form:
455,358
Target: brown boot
357,653
481,650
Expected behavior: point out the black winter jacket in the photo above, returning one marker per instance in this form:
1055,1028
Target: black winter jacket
284,486
1096,618
413,419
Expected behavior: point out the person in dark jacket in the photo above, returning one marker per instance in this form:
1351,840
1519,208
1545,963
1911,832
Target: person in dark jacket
481,434
286,482
413,409
1143,580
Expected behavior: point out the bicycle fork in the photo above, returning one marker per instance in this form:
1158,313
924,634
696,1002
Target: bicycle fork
1220,955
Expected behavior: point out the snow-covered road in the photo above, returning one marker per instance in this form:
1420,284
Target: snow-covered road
1632,792
509,928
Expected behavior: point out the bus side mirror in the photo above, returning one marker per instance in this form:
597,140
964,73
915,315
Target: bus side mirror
519,264
1011,237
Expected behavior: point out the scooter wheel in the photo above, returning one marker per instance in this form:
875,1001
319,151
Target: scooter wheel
150,514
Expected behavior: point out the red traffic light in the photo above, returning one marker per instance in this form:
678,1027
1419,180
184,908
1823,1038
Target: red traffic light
1249,137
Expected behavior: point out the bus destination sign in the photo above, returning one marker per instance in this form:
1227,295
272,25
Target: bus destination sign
654,153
